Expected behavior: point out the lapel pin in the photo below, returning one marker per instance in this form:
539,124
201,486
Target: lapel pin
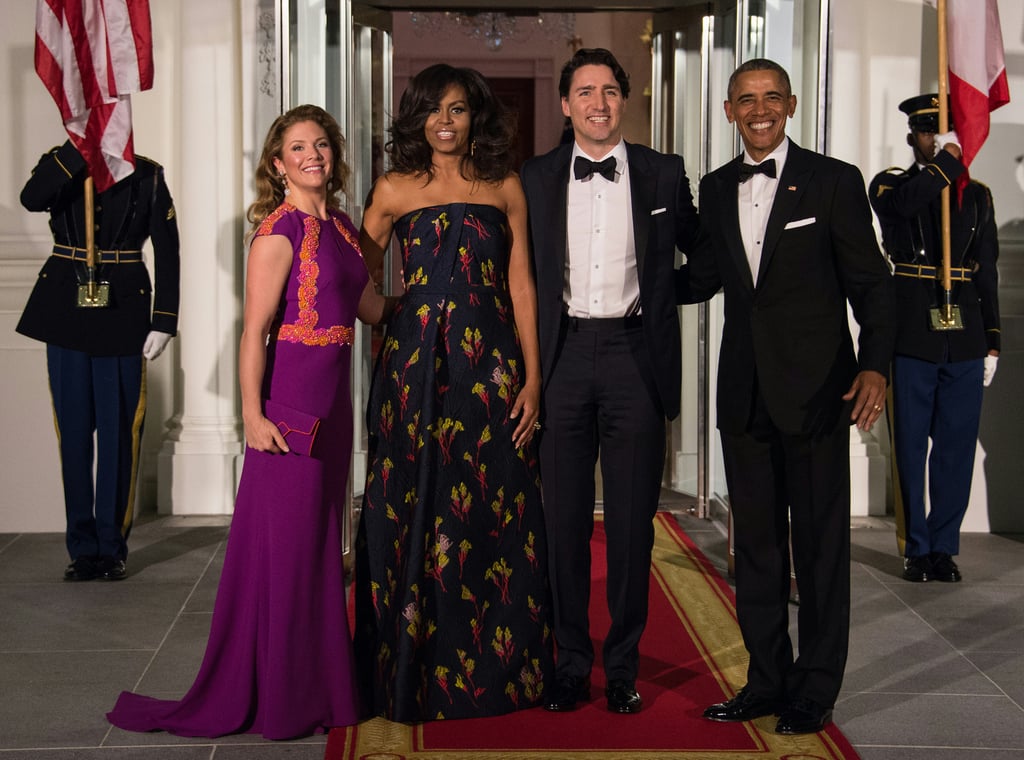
791,187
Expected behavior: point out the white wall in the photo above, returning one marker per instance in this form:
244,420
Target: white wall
32,494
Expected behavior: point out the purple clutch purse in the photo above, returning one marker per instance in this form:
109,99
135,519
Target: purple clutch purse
298,428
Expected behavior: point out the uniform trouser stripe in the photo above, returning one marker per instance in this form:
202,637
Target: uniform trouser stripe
137,426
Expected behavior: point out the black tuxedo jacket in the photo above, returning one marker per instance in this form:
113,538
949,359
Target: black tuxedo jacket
789,332
664,219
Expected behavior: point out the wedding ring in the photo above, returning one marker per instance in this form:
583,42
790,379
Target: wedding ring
536,426
878,408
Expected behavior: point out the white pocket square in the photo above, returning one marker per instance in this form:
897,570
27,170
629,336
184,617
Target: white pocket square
799,223
658,211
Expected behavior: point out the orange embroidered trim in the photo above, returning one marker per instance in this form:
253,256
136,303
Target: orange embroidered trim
305,330
296,333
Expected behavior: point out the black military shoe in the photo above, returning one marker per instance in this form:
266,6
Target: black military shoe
944,568
81,569
917,569
110,569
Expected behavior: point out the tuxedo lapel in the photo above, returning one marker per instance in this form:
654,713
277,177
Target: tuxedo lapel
728,181
557,205
796,175
547,185
642,187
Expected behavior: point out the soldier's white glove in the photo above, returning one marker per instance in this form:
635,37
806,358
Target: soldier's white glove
155,344
946,138
990,370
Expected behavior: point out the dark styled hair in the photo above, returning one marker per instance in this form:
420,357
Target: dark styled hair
492,127
269,187
592,57
759,64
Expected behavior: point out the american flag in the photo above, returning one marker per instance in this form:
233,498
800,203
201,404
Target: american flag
91,54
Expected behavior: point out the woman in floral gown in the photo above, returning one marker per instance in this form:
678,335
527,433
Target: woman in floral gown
452,607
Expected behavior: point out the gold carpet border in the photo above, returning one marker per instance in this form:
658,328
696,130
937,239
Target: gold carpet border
702,605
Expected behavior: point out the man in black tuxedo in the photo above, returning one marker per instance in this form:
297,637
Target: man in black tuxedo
606,218
791,243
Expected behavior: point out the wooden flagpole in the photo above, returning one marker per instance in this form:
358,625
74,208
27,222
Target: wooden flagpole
947,317
90,223
92,293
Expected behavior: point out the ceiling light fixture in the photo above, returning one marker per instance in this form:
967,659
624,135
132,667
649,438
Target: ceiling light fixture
494,29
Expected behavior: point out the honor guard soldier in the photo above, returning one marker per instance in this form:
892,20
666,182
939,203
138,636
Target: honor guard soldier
100,324
938,372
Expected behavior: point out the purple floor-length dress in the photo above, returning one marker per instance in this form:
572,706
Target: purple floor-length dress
279,658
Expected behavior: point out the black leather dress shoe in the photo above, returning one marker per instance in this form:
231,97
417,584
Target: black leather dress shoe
917,569
110,569
803,716
944,568
567,693
81,569
623,697
744,706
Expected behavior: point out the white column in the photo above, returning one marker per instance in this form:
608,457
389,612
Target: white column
199,458
869,472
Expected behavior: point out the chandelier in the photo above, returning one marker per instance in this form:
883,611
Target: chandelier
495,28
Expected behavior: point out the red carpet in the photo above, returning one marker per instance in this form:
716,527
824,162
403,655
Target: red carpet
691,656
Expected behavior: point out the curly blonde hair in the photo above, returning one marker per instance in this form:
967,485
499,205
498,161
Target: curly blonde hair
270,188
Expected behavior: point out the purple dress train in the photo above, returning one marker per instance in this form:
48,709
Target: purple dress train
279,658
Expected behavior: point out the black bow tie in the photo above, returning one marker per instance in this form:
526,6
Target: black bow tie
584,168
766,168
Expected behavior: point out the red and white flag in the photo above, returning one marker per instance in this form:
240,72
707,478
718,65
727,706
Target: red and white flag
91,54
977,69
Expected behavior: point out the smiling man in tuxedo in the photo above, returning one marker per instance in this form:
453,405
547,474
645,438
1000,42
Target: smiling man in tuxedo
606,218
791,244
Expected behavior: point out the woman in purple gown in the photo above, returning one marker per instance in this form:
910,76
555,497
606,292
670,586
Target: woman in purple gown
279,658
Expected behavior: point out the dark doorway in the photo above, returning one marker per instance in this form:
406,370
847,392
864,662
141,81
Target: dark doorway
517,95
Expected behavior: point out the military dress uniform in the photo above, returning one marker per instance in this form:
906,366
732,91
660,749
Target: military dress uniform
94,354
937,374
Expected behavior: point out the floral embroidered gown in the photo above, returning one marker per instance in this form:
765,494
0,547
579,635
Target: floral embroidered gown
279,658
452,607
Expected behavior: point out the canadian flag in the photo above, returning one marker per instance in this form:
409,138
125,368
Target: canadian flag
977,69
91,54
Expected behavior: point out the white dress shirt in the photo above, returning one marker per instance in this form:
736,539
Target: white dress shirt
600,262
756,196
